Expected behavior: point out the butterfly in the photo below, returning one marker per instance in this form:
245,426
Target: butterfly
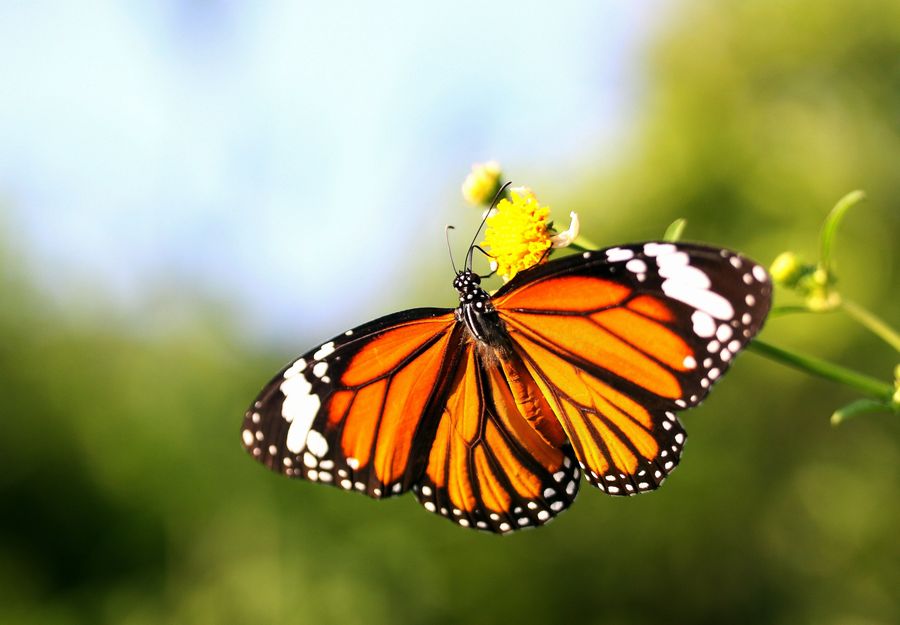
492,412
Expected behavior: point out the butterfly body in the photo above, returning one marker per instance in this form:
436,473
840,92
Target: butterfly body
491,412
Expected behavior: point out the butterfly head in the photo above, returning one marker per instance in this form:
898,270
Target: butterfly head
466,279
468,285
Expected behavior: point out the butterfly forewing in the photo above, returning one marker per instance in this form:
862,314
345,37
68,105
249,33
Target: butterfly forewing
354,412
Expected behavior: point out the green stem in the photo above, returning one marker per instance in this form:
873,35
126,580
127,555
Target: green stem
824,369
872,323
858,407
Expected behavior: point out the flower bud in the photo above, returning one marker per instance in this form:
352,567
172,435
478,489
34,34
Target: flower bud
482,184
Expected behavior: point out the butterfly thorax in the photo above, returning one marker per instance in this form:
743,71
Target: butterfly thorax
477,311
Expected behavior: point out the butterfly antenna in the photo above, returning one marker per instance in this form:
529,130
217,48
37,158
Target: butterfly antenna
449,249
487,214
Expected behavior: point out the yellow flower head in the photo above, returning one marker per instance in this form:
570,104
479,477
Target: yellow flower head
518,233
482,184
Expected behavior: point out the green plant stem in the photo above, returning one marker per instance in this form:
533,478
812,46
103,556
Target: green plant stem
872,323
824,369
858,407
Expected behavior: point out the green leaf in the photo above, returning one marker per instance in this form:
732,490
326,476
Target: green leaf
675,229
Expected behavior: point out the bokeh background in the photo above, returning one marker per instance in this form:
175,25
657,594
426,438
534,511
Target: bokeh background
193,192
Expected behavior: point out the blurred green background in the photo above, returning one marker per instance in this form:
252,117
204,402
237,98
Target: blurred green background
126,497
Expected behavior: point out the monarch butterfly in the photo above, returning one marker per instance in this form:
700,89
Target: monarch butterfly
490,413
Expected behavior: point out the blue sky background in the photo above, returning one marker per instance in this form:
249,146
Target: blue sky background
287,159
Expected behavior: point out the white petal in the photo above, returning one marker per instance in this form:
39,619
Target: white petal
566,237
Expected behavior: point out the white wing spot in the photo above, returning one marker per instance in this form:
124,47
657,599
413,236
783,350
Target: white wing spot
689,362
701,299
704,326
247,435
658,249
636,265
324,351
352,462
316,443
298,367
319,369
723,333
617,254
299,409
759,273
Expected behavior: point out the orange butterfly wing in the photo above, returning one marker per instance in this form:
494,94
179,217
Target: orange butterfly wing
497,463
358,412
619,340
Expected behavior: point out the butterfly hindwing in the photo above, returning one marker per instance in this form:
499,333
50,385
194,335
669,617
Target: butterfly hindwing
354,412
619,340
490,467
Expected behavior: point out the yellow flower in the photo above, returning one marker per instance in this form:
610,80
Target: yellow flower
518,233
482,184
